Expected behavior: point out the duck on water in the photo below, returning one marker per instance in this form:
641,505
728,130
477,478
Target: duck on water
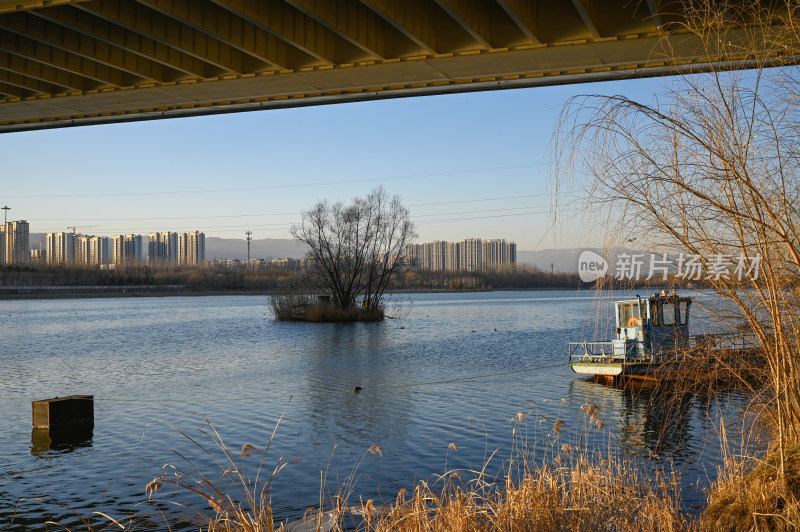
652,342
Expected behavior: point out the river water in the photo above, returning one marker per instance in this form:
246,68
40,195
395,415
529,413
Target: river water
455,368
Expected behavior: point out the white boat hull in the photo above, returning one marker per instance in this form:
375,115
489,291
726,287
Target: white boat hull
591,368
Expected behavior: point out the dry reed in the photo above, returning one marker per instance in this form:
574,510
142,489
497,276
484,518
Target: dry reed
751,494
235,502
305,307
573,490
598,494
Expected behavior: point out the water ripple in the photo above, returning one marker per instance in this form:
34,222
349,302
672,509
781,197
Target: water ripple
457,370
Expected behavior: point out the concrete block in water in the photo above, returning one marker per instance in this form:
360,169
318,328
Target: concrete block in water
63,411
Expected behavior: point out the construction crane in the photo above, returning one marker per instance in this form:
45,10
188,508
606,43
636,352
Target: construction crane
81,227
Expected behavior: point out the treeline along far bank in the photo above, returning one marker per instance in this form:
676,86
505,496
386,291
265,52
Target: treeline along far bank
21,280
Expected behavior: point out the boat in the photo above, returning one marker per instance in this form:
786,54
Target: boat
653,342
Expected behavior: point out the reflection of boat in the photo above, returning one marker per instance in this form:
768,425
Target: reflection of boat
652,341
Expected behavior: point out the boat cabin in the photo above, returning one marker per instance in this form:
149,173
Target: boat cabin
651,325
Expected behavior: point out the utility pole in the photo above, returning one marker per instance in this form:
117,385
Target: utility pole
552,268
249,234
5,218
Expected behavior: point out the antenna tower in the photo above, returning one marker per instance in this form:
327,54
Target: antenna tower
249,234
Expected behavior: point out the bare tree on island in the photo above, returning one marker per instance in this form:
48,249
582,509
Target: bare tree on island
356,248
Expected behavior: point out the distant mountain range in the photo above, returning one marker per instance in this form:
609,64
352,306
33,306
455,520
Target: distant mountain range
563,260
264,248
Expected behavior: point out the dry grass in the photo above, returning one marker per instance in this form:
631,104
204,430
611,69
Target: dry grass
589,495
569,488
750,494
304,307
572,489
234,502
327,313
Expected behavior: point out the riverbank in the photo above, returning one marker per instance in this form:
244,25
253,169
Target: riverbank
79,292
39,281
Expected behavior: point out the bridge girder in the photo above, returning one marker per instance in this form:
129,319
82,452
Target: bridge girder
74,62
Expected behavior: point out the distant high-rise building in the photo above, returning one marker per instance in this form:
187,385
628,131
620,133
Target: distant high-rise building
191,248
412,256
162,249
511,252
183,249
92,250
471,257
60,248
15,243
494,253
453,261
127,250
470,254
438,253
425,256
72,248
81,249
38,256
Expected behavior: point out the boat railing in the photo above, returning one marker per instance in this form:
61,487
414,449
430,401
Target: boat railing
603,352
725,341
591,351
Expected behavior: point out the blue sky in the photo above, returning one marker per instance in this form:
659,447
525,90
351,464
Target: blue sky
467,165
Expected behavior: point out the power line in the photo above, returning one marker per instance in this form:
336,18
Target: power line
471,212
481,199
285,186
292,213
531,213
282,226
150,218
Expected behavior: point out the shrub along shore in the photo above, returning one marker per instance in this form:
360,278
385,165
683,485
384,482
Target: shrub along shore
41,282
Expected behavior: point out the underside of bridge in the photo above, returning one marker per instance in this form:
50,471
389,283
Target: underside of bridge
75,62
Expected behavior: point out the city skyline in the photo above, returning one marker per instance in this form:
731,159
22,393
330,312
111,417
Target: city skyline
464,164
468,254
164,249
14,242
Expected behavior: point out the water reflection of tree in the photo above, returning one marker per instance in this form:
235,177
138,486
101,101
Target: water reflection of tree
655,419
665,425
357,355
